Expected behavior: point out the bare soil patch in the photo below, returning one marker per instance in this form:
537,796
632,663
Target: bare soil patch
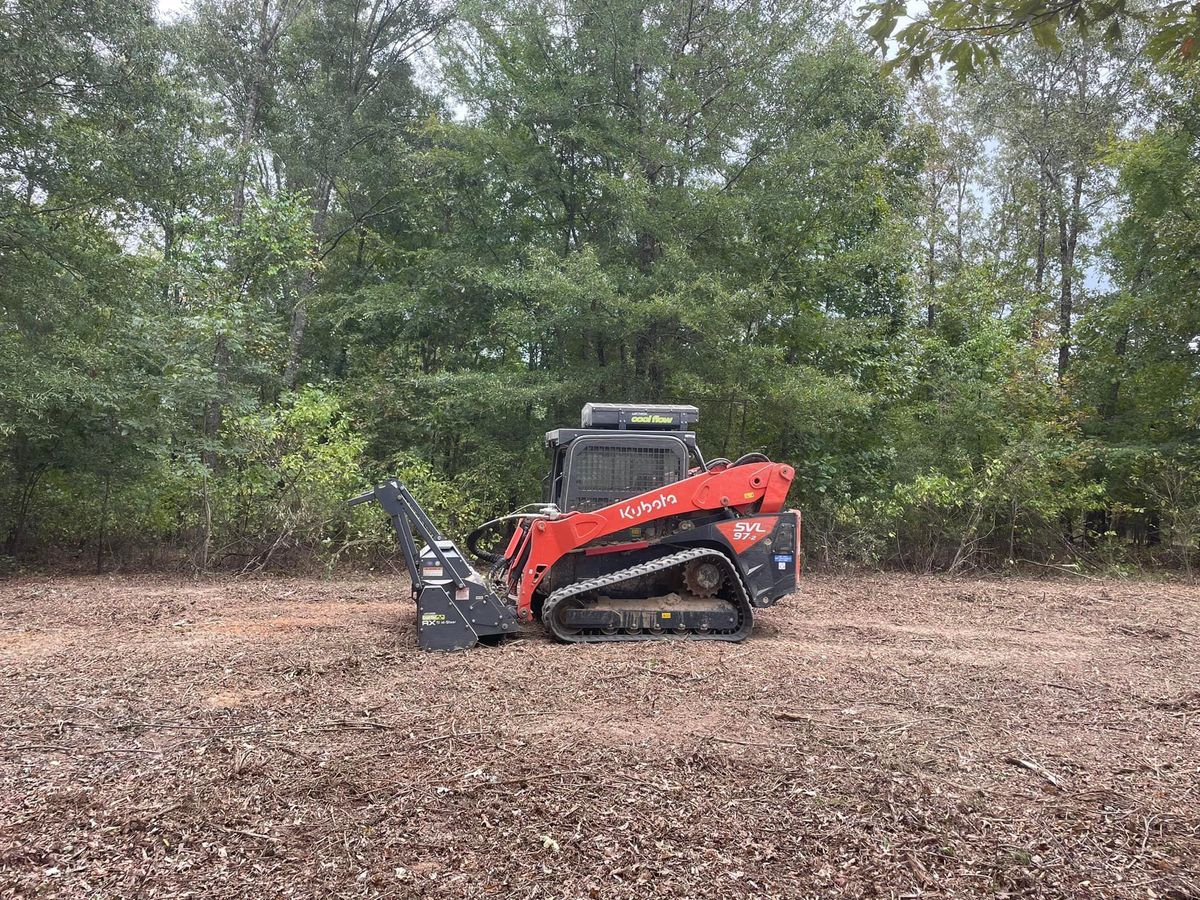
876,737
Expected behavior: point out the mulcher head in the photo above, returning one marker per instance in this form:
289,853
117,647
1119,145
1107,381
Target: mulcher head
455,608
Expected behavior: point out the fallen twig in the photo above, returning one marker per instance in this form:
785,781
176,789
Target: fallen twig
1066,569
721,740
1036,768
244,833
58,748
449,736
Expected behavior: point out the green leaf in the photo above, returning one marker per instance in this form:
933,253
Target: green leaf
1045,33
882,29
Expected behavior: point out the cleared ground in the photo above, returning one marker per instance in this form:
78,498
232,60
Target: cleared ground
877,736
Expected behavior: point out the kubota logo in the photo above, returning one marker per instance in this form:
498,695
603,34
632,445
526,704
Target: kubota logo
637,510
748,531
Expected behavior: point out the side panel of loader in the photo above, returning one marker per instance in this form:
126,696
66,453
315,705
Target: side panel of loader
765,549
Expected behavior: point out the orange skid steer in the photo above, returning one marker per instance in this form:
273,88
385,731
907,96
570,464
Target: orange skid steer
638,538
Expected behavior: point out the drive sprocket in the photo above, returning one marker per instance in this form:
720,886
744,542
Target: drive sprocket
703,577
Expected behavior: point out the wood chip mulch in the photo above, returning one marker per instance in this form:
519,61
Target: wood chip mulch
877,736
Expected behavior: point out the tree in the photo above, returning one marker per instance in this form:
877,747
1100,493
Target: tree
948,208
73,80
236,45
659,205
1141,347
349,105
969,35
1052,113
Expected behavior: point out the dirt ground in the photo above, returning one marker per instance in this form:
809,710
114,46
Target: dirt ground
876,736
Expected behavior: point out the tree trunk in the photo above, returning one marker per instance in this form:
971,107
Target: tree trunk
103,521
597,335
168,227
16,537
932,223
1069,223
268,33
214,407
1039,277
249,124
961,188
296,334
308,286
931,313
1114,384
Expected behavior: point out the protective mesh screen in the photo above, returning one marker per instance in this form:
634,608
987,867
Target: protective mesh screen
604,475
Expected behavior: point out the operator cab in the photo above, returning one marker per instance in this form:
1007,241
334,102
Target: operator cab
619,451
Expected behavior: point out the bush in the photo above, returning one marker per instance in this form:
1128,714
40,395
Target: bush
285,484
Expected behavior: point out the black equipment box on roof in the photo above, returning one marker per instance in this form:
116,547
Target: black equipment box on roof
653,417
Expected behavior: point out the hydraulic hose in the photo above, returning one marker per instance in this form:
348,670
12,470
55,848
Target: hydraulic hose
748,458
544,510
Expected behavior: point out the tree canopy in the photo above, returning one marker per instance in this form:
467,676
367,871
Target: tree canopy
967,35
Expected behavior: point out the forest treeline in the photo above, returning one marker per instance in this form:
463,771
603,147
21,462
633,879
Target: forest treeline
258,254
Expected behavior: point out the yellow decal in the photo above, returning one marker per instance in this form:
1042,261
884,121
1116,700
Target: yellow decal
429,618
666,615
749,495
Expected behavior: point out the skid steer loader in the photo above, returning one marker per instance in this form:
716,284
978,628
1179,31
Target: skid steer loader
638,537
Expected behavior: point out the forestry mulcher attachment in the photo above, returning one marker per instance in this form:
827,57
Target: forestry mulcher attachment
638,538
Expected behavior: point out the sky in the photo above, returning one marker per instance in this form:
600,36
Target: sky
172,9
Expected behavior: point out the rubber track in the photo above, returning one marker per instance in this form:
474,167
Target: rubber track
746,618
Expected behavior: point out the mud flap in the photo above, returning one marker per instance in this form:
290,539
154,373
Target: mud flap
456,619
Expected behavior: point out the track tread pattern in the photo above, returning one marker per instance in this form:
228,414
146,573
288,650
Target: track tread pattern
647,568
